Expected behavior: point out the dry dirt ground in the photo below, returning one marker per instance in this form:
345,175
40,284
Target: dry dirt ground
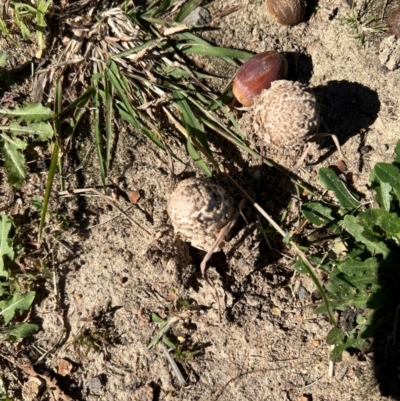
108,276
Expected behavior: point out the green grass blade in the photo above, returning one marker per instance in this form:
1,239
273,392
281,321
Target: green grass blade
214,51
129,114
164,6
109,100
54,159
97,135
57,126
49,184
136,49
81,101
138,125
191,123
190,38
197,158
187,9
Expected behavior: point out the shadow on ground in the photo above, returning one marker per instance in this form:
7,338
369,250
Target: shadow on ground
386,346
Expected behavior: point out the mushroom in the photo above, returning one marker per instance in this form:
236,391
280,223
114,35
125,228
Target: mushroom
198,209
287,114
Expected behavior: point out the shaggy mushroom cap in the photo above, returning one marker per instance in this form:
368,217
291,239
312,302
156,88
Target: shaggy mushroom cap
285,114
198,209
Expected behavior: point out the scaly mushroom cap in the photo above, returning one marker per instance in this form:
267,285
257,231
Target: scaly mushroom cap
285,114
198,209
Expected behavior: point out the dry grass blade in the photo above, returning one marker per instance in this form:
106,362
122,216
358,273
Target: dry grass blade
109,200
174,366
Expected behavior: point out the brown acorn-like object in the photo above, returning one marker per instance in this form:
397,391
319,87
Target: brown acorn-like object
286,12
393,21
257,74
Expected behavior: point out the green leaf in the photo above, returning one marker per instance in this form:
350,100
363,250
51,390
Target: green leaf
388,222
20,331
331,181
299,267
42,130
168,342
397,152
335,336
360,272
336,353
157,319
3,58
382,190
6,248
340,287
164,328
390,174
365,235
21,302
11,148
317,214
29,112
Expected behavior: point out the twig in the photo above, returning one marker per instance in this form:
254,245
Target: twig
226,12
174,366
223,388
56,393
107,221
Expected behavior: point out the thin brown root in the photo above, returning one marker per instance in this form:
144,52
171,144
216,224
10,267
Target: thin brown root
302,157
221,235
336,142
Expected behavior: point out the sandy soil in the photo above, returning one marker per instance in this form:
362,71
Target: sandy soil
109,275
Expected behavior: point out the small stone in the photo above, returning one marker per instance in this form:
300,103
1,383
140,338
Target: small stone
95,385
65,367
144,393
198,17
389,53
276,311
302,292
133,196
31,388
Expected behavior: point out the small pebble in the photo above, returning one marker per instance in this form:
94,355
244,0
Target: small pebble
198,17
302,293
95,385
